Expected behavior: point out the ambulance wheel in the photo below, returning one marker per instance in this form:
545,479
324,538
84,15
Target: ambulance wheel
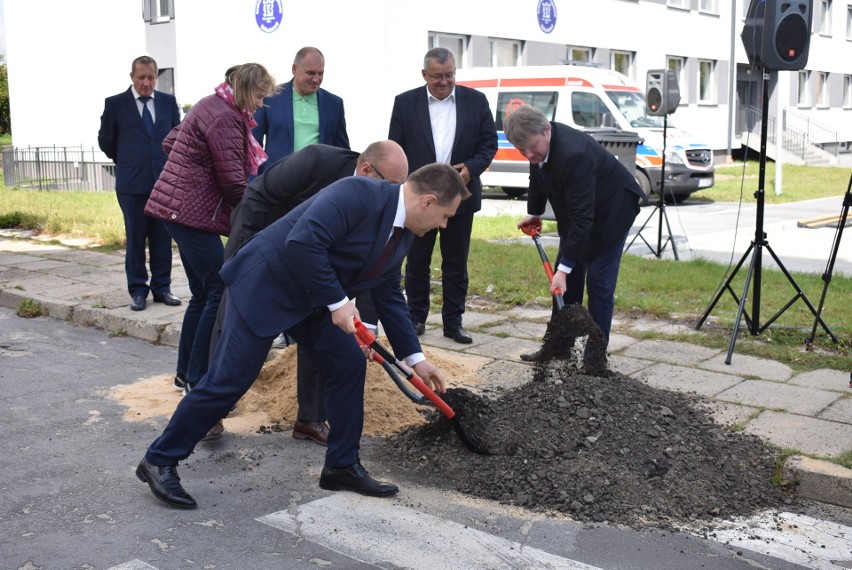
514,192
644,183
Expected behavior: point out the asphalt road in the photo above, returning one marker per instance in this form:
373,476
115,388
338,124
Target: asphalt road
71,499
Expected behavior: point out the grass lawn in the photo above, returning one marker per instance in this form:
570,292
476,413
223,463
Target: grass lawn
510,274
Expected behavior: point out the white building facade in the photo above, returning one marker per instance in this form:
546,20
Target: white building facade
64,57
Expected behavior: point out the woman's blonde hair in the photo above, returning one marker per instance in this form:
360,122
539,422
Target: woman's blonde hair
248,78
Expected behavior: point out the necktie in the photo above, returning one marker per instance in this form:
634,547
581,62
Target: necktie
147,118
385,255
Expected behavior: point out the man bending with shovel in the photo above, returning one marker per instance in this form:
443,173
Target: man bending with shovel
594,198
299,276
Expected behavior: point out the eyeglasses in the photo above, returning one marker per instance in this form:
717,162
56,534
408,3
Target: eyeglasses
376,170
441,76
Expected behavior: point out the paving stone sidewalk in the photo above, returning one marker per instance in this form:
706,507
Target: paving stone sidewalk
810,412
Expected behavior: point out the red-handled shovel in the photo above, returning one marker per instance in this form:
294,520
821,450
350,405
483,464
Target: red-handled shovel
533,229
367,338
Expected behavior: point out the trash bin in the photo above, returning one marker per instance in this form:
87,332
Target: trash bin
622,145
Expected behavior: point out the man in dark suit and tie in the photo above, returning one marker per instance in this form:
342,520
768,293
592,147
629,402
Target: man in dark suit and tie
302,113
133,126
299,275
594,199
451,124
282,187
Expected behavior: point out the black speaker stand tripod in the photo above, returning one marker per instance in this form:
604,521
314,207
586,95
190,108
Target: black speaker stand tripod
829,267
756,248
659,207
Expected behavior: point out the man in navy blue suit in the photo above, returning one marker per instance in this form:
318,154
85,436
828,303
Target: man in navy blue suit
302,113
451,124
300,275
133,126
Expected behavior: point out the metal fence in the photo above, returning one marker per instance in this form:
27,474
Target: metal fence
58,168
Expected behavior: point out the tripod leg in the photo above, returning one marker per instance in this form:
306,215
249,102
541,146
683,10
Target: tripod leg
723,288
671,237
799,294
832,257
740,311
639,233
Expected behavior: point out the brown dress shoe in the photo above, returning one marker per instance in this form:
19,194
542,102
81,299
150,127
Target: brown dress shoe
215,432
314,431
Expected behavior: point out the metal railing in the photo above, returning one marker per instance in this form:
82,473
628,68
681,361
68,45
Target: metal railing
799,132
58,168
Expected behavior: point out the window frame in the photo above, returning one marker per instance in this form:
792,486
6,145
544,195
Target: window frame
708,7
631,56
569,50
707,92
679,68
459,50
825,22
495,43
847,92
821,97
803,89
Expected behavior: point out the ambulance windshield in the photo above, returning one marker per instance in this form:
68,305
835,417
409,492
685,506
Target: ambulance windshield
632,106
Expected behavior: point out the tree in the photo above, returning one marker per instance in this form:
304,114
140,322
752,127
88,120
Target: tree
5,119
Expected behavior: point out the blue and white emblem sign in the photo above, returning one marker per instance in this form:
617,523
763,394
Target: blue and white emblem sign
268,14
546,15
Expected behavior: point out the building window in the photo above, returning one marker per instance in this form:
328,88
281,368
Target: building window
706,81
677,65
158,11
847,91
849,22
166,80
708,6
577,54
682,4
622,62
505,53
804,96
825,18
822,90
453,42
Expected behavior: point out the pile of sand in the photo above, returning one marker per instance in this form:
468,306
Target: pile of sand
270,404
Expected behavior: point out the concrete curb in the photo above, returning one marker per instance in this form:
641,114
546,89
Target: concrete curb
820,481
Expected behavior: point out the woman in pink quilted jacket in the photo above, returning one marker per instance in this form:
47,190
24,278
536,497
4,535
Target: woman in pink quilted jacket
212,154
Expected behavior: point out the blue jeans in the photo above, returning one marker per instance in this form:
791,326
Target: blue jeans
202,254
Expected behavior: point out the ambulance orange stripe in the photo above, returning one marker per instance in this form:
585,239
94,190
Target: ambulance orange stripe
509,154
533,82
483,83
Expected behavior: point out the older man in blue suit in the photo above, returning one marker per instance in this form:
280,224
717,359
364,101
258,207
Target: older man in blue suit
133,126
299,275
302,113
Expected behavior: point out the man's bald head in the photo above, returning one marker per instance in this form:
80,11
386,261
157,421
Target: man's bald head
385,160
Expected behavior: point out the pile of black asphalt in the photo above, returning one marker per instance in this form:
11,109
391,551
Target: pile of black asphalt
591,443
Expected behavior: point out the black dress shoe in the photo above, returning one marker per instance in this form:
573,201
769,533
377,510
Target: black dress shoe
458,334
532,356
355,478
138,303
167,299
419,328
165,484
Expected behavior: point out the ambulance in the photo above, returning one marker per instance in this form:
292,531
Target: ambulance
596,100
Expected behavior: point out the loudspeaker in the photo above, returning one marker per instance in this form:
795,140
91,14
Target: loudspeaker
663,95
777,33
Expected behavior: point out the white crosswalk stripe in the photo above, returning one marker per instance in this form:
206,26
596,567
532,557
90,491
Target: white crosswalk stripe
795,538
379,532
